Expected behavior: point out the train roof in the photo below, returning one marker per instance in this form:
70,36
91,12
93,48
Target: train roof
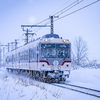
51,36
48,38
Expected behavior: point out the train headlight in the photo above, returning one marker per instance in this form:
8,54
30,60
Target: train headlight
64,40
55,62
46,40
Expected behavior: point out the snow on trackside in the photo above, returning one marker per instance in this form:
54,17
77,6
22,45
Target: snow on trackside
86,77
18,87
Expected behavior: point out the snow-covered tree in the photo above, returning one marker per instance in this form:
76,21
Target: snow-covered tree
79,52
93,64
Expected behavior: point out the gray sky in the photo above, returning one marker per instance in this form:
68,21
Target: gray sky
85,23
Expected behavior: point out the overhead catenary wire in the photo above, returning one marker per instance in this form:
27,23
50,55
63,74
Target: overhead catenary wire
61,12
77,10
43,21
77,2
64,9
42,27
60,7
73,11
57,12
37,24
70,8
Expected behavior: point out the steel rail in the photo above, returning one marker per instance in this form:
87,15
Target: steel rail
83,87
79,90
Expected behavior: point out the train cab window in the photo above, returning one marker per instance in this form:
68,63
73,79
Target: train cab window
63,50
55,50
48,51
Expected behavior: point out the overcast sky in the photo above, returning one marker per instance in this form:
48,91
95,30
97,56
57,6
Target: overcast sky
84,23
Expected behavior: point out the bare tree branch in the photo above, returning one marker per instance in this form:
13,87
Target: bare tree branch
79,52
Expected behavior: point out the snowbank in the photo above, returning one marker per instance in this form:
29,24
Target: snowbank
86,77
17,87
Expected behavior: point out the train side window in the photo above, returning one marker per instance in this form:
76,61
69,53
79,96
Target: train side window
15,57
12,59
32,53
7,59
19,56
24,58
26,55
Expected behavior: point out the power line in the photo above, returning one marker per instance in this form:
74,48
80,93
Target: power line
43,21
39,23
64,10
56,13
78,10
61,12
60,7
70,7
76,3
42,27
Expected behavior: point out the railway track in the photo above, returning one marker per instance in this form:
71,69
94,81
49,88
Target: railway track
84,90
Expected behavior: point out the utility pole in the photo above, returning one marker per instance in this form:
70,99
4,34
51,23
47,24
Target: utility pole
52,28
27,31
13,44
16,43
3,52
52,24
27,35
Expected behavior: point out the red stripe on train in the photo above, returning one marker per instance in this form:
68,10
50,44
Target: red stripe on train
44,61
66,62
40,61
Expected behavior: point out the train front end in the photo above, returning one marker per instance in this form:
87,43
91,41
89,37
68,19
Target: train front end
55,59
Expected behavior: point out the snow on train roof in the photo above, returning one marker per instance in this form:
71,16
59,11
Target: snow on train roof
51,36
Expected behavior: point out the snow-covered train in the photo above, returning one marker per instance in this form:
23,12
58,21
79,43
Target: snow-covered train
47,59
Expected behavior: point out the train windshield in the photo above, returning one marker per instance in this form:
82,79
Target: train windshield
55,50
63,50
48,51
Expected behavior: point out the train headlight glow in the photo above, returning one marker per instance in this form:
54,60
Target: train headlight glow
46,40
64,40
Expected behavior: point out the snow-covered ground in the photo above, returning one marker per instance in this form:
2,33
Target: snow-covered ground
86,77
17,87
